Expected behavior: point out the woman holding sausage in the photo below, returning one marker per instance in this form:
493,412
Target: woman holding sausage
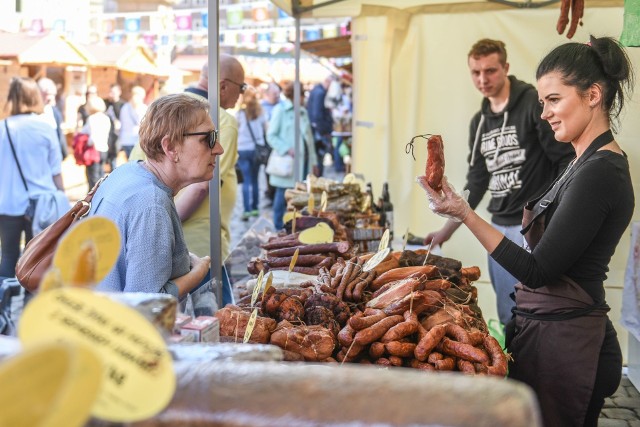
181,145
563,344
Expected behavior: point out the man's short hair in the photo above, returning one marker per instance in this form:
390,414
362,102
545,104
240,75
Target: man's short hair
486,47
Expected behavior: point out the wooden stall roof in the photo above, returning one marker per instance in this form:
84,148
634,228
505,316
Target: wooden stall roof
51,49
134,59
335,47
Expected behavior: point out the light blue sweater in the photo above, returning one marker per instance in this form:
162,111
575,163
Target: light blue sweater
153,249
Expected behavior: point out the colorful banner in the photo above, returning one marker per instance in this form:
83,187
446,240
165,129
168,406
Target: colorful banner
235,16
132,25
150,40
59,25
183,22
311,34
108,26
329,31
264,42
37,26
205,20
282,14
259,14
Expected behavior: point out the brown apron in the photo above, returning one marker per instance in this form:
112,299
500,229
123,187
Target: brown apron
558,336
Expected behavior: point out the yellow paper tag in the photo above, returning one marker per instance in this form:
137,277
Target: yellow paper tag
293,222
319,233
256,288
51,384
288,216
88,251
311,203
376,259
52,280
250,325
294,259
384,240
269,282
323,201
366,203
138,376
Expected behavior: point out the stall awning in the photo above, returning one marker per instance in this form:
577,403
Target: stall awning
335,47
52,49
136,59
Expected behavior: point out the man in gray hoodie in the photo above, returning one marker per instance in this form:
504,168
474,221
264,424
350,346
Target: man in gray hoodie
513,154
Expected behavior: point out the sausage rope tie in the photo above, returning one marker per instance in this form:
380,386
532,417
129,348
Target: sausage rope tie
409,147
346,354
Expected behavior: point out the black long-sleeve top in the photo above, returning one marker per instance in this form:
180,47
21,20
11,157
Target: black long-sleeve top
584,226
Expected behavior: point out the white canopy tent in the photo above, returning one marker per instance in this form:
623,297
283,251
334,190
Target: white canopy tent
410,77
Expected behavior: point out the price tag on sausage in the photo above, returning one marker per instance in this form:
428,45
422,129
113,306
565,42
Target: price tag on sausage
293,221
376,259
323,202
256,288
294,259
132,351
366,204
250,325
311,203
269,282
384,241
88,251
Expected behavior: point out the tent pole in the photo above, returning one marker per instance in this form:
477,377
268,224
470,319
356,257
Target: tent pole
296,96
215,225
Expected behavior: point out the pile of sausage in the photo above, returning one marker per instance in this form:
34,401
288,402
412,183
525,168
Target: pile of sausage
404,312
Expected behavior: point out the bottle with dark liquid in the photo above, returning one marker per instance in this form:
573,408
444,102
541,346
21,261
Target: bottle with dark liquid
372,201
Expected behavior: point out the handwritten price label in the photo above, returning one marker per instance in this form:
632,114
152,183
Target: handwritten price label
323,202
376,259
250,325
384,241
256,288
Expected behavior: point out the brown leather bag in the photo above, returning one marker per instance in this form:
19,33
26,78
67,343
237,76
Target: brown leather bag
38,254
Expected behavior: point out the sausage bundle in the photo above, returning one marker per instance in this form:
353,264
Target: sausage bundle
577,11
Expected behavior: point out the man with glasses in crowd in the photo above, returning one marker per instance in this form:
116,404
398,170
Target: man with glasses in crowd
192,203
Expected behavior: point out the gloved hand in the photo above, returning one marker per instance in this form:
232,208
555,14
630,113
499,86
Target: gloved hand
448,204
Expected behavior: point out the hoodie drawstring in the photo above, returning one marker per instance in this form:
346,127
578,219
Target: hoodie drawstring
477,137
476,140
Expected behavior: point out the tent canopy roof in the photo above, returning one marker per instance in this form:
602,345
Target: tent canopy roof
341,8
50,49
336,47
135,59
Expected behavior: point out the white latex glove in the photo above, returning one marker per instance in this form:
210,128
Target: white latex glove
448,203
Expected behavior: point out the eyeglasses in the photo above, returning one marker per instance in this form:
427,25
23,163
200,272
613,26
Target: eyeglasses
212,136
242,86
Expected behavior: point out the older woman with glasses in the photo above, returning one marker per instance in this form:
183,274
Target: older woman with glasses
181,145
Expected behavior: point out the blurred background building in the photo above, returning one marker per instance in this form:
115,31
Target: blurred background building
158,44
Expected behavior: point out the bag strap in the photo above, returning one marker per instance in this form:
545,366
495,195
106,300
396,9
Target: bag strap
86,202
13,150
246,117
540,204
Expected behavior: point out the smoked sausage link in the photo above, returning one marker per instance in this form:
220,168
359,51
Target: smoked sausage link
435,162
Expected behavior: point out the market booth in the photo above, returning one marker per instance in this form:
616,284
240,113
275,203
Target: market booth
421,84
53,56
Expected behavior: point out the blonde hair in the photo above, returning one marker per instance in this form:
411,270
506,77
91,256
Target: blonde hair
95,104
251,105
171,116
